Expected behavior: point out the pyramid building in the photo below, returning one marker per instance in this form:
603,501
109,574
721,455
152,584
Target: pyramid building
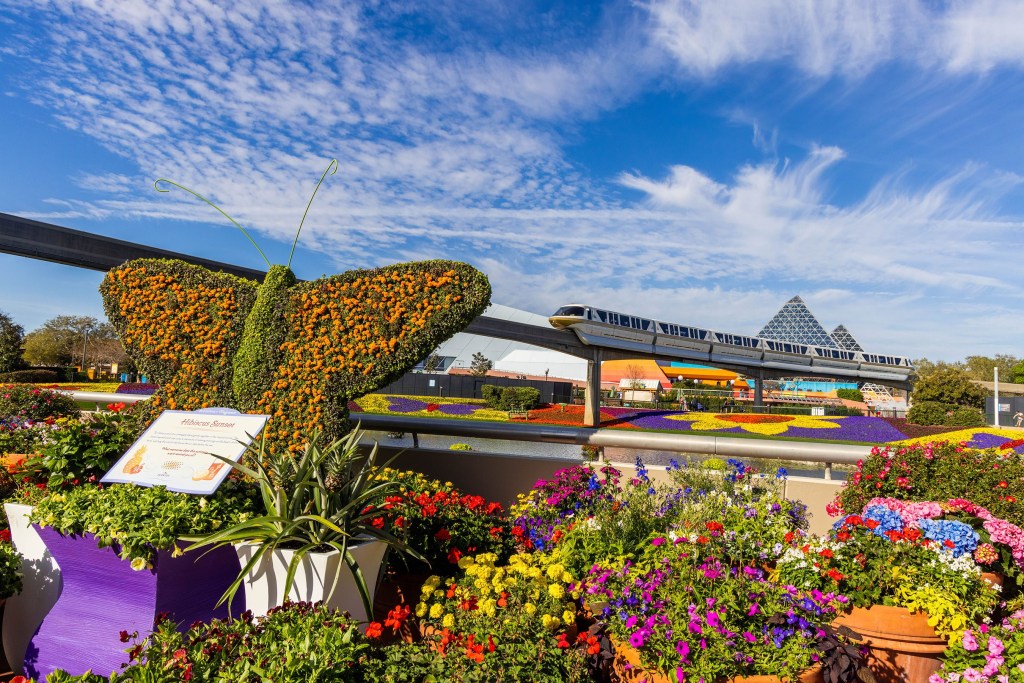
844,340
795,323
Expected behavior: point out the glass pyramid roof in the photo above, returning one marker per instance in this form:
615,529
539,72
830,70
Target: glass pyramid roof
844,340
795,323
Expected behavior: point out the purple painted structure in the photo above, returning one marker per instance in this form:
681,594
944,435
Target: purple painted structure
101,595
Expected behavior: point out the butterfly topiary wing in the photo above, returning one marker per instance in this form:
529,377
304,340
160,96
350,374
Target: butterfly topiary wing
349,334
182,325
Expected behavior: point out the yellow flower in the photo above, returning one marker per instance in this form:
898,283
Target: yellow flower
436,611
139,563
466,562
488,607
557,591
568,617
448,621
421,609
551,623
756,424
530,609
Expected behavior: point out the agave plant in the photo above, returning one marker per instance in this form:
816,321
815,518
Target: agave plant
315,502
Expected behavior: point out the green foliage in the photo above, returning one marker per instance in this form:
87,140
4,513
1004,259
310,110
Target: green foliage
950,385
965,417
929,412
990,478
850,394
318,501
80,450
141,520
510,398
460,447
480,365
12,337
30,376
260,351
25,402
296,642
10,571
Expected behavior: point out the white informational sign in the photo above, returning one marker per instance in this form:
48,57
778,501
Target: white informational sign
1004,407
175,450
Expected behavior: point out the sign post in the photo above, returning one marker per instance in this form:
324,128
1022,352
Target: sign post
176,450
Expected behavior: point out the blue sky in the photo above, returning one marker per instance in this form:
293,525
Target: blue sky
699,162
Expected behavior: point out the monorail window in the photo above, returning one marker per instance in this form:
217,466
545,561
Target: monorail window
570,310
602,315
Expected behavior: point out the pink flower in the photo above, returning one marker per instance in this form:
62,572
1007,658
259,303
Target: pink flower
969,641
972,675
995,646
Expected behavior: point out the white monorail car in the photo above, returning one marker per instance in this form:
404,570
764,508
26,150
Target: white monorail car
597,326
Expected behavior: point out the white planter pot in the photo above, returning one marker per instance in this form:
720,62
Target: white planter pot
264,585
41,586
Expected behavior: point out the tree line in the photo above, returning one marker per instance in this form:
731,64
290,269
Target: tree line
61,341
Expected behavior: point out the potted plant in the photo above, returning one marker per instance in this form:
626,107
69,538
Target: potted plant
911,583
109,558
330,650
679,614
317,537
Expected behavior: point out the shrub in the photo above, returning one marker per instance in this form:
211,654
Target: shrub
929,413
28,403
460,447
295,642
10,570
30,376
990,478
850,394
510,398
965,417
949,385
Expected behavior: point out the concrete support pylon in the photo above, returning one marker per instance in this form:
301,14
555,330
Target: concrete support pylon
592,409
759,389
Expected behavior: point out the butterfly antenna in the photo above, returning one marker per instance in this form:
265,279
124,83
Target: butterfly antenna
156,186
332,168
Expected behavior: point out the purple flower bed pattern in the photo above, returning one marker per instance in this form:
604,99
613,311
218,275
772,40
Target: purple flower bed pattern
984,440
398,404
136,388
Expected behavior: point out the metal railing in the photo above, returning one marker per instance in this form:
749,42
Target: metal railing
730,447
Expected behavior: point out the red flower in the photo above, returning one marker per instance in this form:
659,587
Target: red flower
454,555
834,575
397,617
843,536
826,552
377,522
443,535
871,524
496,531
563,642
703,539
374,630
125,637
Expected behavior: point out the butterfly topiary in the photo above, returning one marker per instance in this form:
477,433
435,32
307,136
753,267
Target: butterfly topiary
297,351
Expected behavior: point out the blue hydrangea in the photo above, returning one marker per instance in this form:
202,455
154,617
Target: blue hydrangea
888,520
962,536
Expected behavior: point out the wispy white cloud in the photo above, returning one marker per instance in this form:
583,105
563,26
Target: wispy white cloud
457,151
848,37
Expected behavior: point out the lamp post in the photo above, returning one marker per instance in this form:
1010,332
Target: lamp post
85,345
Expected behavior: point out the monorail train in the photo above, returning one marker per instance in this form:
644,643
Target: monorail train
599,327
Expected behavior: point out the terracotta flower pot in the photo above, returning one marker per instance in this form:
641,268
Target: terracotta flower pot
629,669
903,647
